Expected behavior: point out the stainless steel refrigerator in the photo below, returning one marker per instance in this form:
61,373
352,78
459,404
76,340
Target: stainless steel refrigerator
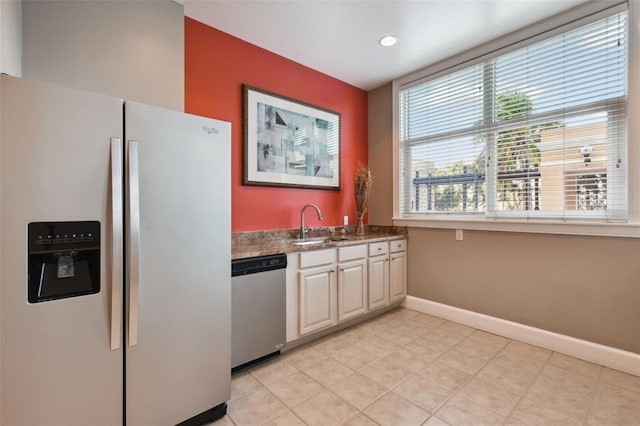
115,253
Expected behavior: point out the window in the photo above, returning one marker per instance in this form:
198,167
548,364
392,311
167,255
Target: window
538,132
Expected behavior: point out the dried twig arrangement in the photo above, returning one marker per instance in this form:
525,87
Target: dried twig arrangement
362,184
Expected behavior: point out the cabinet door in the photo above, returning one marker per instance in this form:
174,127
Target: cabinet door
352,289
397,276
378,281
317,307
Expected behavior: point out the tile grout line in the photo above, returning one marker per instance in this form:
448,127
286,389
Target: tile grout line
285,404
457,393
324,388
454,392
593,398
389,390
531,383
264,387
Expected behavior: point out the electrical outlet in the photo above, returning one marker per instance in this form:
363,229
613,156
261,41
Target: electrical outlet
459,235
346,220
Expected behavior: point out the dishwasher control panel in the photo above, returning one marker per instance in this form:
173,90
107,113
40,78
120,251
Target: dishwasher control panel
253,265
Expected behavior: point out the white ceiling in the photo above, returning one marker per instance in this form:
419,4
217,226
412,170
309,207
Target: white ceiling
340,38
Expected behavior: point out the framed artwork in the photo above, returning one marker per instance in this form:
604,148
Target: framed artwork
289,143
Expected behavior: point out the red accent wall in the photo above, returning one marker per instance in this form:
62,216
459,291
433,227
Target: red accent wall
216,66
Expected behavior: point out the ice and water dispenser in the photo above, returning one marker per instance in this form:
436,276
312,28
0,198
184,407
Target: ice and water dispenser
64,260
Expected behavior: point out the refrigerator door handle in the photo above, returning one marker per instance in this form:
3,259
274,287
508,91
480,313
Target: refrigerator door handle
133,242
116,242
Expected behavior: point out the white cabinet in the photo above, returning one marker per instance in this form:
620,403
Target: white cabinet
352,281
397,270
378,275
317,290
333,285
317,298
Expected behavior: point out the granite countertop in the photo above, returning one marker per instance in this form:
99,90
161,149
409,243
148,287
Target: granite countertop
250,244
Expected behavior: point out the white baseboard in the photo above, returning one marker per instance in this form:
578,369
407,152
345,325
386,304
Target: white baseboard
628,362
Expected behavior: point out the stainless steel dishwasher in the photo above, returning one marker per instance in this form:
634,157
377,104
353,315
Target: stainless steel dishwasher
258,309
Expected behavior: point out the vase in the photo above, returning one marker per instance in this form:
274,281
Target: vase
360,226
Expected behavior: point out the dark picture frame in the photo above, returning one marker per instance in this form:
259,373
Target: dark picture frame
288,143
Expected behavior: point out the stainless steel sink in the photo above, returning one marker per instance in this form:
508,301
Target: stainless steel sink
309,241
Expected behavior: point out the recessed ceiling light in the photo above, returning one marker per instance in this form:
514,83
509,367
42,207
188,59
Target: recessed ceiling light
388,40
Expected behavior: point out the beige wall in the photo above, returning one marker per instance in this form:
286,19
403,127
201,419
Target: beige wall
129,49
380,156
584,287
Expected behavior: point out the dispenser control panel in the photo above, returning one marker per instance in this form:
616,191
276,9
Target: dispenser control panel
64,260
64,239
60,235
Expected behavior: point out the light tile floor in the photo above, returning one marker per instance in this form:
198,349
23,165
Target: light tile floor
405,368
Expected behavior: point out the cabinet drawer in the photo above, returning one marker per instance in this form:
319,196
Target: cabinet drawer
352,252
376,249
398,245
317,257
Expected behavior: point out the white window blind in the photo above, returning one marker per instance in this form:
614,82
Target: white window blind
537,132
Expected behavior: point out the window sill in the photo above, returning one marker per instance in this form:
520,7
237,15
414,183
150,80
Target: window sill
597,229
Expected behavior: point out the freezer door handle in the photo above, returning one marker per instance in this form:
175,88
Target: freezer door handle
116,242
133,242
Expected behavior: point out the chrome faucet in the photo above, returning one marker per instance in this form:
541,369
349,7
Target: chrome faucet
302,230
